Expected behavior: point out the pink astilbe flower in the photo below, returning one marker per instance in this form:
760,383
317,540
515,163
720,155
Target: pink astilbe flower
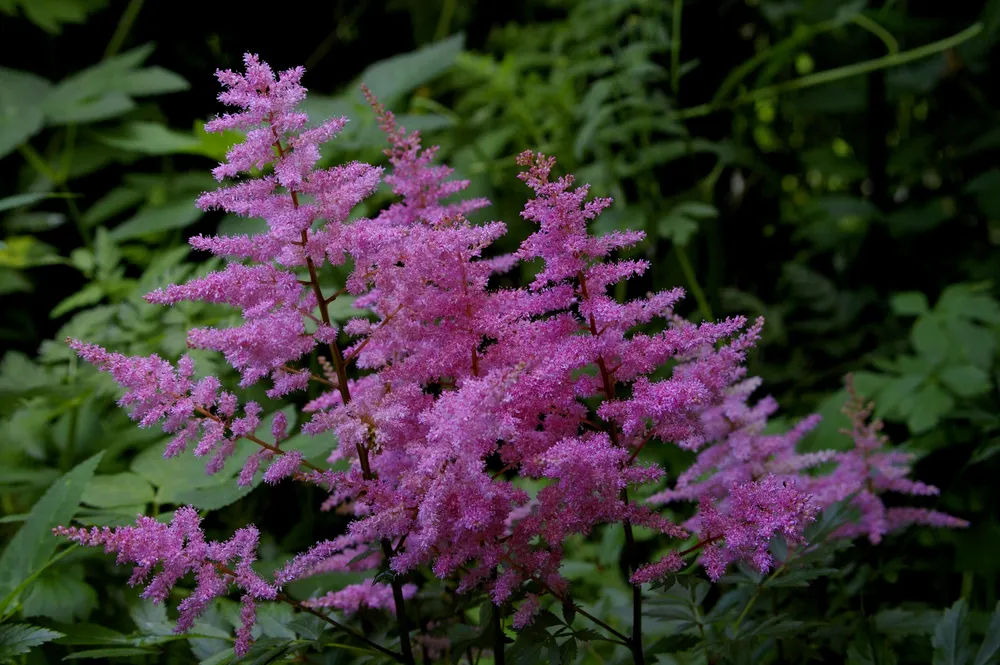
178,549
756,512
869,470
367,594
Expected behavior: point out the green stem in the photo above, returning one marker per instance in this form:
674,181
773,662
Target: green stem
699,294
835,74
876,29
124,25
444,21
675,46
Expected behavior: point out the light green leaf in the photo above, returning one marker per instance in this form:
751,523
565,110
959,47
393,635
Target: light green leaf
120,489
910,303
175,215
20,638
393,77
34,543
951,640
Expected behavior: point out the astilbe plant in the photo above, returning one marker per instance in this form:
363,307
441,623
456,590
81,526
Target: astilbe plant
453,390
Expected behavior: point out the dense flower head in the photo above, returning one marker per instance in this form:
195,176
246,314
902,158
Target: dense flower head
450,392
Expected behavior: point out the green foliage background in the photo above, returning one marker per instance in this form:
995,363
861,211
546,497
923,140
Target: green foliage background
829,164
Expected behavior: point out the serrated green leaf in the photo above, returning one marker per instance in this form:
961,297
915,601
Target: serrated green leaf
951,639
20,638
34,543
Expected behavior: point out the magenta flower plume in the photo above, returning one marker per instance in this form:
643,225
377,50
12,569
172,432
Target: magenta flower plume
180,548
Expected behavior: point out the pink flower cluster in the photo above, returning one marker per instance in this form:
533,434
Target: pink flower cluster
452,391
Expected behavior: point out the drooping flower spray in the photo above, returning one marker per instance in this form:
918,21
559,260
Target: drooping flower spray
452,392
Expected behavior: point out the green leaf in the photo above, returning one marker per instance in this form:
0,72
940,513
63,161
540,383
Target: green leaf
114,652
114,202
20,638
60,594
34,543
19,200
91,294
930,338
152,81
104,107
21,116
991,643
910,303
393,77
965,380
175,215
899,623
929,405
151,138
951,640
120,489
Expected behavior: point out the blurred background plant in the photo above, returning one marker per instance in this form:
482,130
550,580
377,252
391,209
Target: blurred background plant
831,165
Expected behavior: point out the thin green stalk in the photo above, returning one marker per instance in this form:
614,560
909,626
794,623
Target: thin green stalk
876,29
699,294
124,25
835,74
675,46
444,21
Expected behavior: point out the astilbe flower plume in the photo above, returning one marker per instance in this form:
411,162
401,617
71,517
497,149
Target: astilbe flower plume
460,389
180,548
